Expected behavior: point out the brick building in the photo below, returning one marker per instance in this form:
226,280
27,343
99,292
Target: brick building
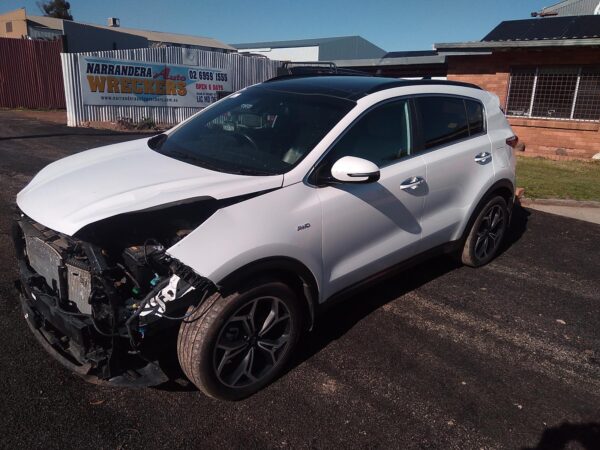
546,73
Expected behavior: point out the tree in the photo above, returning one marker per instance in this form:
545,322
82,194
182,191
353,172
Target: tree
59,9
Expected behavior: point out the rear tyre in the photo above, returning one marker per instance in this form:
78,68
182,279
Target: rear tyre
486,233
233,346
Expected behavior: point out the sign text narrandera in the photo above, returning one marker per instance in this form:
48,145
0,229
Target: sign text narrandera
152,84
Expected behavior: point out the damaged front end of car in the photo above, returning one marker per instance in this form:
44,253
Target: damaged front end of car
107,301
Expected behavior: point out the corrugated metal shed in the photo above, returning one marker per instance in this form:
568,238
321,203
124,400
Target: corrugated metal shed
573,8
32,77
332,48
245,70
173,38
82,38
155,36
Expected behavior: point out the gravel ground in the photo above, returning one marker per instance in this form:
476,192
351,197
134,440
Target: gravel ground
441,356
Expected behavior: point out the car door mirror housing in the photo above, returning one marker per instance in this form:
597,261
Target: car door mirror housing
350,169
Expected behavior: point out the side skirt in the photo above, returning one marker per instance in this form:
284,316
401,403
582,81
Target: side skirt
342,295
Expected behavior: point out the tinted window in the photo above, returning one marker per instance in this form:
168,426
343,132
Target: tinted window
381,136
475,116
443,120
255,132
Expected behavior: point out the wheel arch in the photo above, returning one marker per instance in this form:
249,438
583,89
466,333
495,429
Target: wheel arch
290,270
504,187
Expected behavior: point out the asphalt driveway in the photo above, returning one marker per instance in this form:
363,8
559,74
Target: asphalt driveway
441,356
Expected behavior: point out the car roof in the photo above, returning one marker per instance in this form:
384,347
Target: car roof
348,87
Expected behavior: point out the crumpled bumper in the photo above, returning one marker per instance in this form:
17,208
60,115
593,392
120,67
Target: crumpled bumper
75,342
68,339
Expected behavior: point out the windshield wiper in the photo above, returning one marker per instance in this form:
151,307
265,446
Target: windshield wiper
202,163
190,157
249,172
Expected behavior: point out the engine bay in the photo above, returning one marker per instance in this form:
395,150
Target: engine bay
106,303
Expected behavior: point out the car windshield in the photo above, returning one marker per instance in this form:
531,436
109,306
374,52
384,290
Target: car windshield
257,131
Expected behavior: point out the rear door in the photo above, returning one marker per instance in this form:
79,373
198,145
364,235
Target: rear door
458,155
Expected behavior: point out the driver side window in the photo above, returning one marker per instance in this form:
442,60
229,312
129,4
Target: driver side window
382,136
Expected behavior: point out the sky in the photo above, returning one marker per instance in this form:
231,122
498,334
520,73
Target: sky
393,25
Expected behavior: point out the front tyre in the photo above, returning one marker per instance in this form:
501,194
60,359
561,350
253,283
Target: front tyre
233,346
486,234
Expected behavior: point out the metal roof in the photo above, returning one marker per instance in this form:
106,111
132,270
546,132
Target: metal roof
331,48
291,43
48,22
155,36
410,54
571,31
573,8
174,38
408,58
392,61
450,47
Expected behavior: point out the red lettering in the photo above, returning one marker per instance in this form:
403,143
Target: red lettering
165,74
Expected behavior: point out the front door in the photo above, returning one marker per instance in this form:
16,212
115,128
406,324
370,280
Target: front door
370,227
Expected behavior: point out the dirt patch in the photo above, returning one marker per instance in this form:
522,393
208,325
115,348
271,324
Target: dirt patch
121,126
52,116
60,117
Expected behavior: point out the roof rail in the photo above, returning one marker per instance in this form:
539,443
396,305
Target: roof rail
291,69
321,68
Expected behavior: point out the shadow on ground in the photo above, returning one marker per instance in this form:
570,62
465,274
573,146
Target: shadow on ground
587,435
336,321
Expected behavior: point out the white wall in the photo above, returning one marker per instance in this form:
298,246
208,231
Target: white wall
287,53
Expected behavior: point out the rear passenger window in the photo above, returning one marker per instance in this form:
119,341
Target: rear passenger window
443,120
475,116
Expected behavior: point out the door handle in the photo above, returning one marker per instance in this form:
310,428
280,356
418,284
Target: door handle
412,183
483,157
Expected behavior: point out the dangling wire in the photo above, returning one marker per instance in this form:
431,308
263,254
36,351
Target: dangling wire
185,316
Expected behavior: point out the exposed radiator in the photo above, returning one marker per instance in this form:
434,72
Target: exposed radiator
47,261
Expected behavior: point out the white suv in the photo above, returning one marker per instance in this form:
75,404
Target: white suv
231,230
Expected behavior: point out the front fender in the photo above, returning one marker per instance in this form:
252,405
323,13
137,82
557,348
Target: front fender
282,223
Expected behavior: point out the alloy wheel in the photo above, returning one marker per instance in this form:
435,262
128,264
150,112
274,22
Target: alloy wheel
490,232
252,342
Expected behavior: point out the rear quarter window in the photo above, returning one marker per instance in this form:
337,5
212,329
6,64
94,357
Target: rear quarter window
475,116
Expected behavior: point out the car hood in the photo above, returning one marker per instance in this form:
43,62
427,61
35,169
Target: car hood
93,185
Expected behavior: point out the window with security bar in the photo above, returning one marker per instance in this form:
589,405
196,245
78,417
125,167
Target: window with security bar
568,93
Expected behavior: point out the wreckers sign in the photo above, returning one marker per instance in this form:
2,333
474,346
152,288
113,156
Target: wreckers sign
107,81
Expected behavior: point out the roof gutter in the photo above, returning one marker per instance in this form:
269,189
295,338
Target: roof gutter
489,45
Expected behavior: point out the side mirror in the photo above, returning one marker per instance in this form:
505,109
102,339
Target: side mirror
351,169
